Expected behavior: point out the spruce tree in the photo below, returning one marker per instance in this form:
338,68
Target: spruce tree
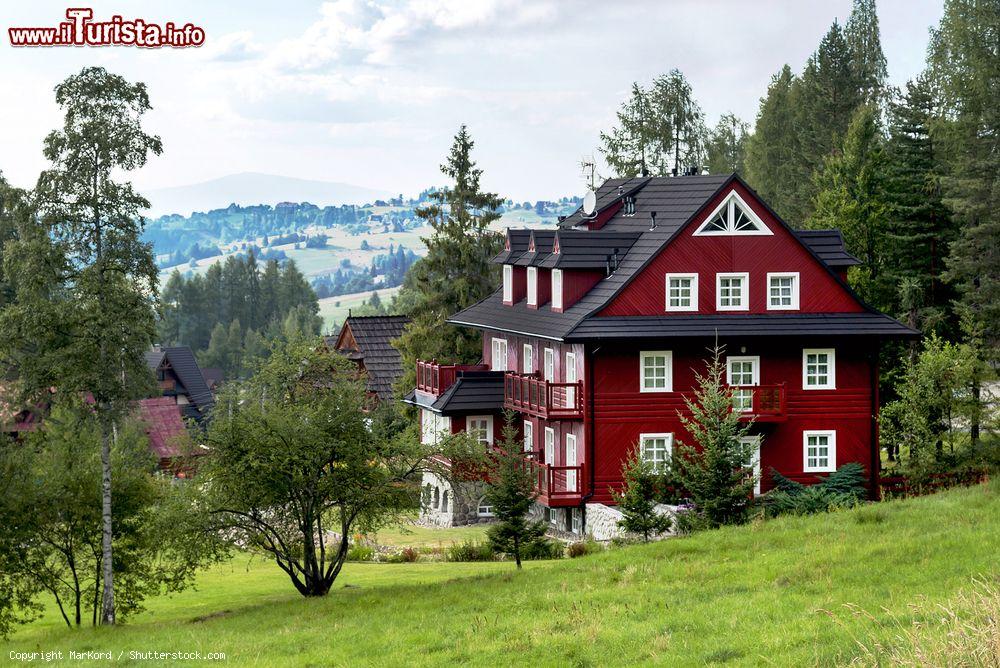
864,43
637,500
772,148
727,145
629,147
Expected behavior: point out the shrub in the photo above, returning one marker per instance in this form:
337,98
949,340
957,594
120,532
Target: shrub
360,553
844,488
470,550
583,548
407,555
543,549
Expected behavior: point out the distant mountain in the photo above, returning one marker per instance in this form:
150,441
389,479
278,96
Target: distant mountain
253,188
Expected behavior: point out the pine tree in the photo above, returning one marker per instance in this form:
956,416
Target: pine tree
864,43
773,146
637,500
458,270
727,145
629,148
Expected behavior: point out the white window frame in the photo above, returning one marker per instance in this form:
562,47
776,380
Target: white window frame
754,460
577,520
527,358
549,365
755,376
432,425
794,275
489,426
557,289
508,283
529,436
496,345
532,286
668,436
571,478
668,374
550,446
831,462
693,306
570,376
729,204
744,291
482,503
831,376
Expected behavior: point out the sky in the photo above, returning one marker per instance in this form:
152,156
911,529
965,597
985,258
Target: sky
371,93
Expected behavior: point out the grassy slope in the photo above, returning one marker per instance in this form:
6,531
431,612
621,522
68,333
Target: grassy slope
757,595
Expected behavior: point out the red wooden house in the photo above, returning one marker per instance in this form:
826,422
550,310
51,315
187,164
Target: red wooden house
600,326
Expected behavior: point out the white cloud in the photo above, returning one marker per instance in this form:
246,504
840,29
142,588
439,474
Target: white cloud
232,47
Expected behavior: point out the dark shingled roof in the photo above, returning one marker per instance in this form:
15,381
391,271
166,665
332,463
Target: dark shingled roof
472,392
829,246
543,246
676,202
579,249
518,242
374,336
185,366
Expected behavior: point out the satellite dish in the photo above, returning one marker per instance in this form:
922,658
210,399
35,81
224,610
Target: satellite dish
589,202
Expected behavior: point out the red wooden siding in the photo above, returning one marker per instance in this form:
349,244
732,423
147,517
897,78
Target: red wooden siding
519,284
819,291
544,288
577,283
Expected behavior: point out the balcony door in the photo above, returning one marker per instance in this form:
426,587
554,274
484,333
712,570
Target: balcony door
499,355
570,378
570,461
754,442
742,374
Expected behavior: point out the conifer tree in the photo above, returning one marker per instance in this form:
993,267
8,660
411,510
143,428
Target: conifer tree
629,147
727,145
772,148
637,500
864,43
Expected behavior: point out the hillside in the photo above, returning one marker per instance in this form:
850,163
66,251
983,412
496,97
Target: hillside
774,593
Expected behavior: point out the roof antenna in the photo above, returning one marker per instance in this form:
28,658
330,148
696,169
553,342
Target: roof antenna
652,221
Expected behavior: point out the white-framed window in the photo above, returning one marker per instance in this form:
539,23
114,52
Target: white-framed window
732,292
549,365
532,286
432,426
557,288
527,358
550,446
819,451
499,355
656,448
577,520
656,371
529,436
508,283
742,372
753,465
571,461
733,217
819,369
783,291
480,427
483,508
570,374
682,292
444,501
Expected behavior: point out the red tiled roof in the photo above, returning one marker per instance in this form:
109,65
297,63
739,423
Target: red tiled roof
164,426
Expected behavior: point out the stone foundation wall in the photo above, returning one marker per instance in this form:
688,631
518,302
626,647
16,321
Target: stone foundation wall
602,521
444,504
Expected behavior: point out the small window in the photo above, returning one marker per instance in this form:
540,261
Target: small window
682,292
783,292
569,375
532,286
508,283
577,520
529,436
499,357
753,466
484,508
656,448
550,446
655,372
549,372
480,427
557,289
731,292
437,498
819,369
444,501
527,363
732,217
742,372
571,460
820,451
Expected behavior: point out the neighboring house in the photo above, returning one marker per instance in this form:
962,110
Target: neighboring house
179,377
168,436
213,378
601,325
367,340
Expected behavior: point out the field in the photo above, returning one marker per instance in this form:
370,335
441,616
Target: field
333,310
770,594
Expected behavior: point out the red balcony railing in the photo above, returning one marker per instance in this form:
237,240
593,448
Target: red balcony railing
435,378
763,403
557,485
534,396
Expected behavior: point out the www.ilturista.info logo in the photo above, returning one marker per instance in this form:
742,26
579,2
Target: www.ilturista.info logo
82,30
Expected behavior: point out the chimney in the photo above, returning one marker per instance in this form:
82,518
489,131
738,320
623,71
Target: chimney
652,221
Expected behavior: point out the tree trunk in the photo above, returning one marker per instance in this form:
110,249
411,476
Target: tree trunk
517,551
108,598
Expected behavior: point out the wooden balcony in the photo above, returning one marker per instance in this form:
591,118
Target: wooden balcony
765,403
558,486
435,378
527,393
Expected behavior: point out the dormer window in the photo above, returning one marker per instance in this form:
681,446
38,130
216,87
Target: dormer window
508,283
733,217
557,289
532,286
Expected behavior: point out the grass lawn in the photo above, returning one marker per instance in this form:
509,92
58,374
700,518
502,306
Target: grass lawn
334,310
769,594
425,537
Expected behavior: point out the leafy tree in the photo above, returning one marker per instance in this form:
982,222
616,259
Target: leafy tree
727,145
510,489
638,499
713,469
852,196
772,149
85,313
291,457
53,504
457,271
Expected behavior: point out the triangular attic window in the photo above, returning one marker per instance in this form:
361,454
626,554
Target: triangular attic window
733,217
